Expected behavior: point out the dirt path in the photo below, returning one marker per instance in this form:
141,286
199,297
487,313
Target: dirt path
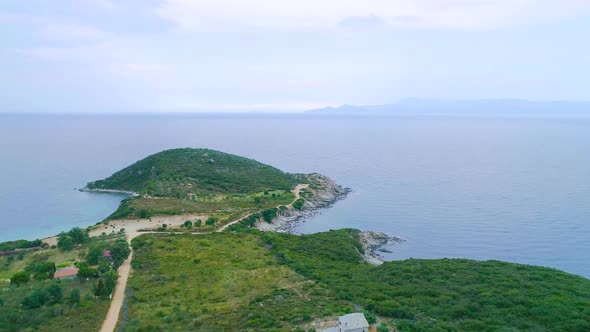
132,230
295,192
110,321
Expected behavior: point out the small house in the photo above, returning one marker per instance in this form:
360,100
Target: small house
107,254
66,273
355,322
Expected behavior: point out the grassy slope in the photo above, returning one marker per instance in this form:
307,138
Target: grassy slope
177,172
236,282
237,204
218,282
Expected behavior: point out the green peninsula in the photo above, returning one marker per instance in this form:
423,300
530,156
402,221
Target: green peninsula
206,257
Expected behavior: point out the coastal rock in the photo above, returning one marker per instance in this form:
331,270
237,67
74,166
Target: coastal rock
373,242
322,193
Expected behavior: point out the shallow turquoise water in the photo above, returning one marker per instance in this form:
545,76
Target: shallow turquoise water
515,189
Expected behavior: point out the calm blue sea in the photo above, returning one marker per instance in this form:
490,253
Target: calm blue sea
514,189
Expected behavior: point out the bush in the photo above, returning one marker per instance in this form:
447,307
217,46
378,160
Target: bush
20,278
144,214
41,270
269,214
21,244
87,273
75,296
210,221
371,318
50,295
78,235
382,328
65,242
298,204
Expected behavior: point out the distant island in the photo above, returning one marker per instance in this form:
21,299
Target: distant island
417,106
211,250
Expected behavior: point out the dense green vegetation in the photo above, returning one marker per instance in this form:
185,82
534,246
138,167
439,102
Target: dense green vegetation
33,300
443,294
273,281
184,173
51,305
20,244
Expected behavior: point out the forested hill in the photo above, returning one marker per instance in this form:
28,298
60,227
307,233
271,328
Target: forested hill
180,172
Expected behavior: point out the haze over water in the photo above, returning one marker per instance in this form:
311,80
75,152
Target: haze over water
514,189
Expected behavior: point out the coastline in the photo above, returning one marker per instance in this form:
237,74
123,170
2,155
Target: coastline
324,195
109,191
325,192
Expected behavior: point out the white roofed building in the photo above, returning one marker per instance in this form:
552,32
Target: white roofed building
355,322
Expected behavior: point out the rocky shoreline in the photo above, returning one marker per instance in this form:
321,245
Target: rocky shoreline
373,243
322,193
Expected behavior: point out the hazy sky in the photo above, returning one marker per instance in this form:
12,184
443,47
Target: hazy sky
286,55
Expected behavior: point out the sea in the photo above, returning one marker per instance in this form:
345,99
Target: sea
481,187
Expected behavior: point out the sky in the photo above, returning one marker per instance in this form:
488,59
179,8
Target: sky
286,55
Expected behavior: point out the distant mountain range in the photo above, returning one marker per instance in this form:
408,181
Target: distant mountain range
460,107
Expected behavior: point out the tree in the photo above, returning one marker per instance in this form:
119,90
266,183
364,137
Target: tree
119,252
75,296
382,328
211,221
87,273
19,278
65,242
269,214
298,204
188,224
371,318
78,235
35,300
41,270
110,280
99,289
94,254
54,294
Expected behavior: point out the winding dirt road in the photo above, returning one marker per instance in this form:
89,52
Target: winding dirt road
132,230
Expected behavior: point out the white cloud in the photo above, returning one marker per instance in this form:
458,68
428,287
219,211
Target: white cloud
72,32
453,14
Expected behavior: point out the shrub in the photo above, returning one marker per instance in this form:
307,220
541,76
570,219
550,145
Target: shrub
269,214
371,318
65,242
87,272
298,204
41,270
75,296
20,278
382,328
144,214
210,221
